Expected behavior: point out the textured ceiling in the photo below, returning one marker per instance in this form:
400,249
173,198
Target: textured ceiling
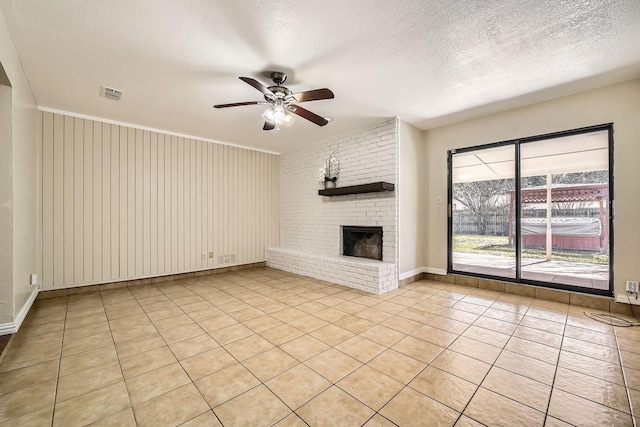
428,62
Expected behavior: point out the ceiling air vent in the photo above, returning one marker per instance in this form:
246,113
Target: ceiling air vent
111,93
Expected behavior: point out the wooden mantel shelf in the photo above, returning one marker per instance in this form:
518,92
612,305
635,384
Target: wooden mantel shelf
373,187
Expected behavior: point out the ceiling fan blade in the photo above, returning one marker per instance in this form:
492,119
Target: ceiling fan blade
253,82
268,125
306,114
237,104
313,95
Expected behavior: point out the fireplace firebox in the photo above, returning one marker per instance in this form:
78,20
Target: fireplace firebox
362,242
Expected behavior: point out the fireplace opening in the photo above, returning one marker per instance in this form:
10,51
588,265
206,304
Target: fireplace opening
362,242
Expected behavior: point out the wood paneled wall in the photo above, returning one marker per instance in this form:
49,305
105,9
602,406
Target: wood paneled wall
121,203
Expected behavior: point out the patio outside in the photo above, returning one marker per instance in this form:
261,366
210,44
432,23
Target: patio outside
564,218
587,269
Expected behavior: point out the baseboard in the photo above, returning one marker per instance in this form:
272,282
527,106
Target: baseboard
433,270
144,280
624,298
412,273
419,270
12,327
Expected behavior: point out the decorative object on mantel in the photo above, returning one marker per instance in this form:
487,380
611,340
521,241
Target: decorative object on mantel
328,173
373,187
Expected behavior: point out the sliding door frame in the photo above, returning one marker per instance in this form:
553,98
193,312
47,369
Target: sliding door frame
516,143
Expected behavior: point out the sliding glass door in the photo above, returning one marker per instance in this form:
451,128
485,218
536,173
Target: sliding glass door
535,210
564,193
481,182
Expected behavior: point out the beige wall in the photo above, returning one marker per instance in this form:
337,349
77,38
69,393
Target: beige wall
411,204
24,188
121,203
619,104
6,208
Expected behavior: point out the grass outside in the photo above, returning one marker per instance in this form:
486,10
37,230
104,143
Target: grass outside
499,245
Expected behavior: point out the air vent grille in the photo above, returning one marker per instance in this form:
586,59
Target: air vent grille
111,93
226,259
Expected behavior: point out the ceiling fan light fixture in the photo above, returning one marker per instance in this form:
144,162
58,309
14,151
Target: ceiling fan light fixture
268,114
276,113
282,102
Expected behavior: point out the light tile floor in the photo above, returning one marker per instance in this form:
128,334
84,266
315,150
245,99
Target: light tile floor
262,347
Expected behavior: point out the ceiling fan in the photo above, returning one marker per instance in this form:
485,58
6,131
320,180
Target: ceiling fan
280,100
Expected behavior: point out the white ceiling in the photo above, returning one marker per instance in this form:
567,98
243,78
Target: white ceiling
567,154
428,62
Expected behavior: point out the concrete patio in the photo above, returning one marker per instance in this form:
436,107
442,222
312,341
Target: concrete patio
592,276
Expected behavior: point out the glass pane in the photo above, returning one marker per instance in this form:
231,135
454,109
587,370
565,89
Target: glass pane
483,181
564,193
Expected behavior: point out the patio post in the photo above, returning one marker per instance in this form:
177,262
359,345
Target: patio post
511,194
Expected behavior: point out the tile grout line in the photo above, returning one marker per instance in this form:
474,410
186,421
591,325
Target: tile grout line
397,315
556,364
118,356
263,383
446,308
555,372
429,363
492,364
579,354
624,377
331,347
192,382
238,361
595,377
222,346
64,329
375,412
303,362
435,357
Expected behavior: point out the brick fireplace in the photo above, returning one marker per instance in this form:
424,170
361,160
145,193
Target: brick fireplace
362,242
312,225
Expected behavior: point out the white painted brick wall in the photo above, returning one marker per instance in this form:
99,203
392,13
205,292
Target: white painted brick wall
370,276
310,224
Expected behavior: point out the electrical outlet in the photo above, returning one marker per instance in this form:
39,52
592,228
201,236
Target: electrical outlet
632,286
210,254
203,255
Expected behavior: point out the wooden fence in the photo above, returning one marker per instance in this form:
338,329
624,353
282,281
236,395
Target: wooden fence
497,223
